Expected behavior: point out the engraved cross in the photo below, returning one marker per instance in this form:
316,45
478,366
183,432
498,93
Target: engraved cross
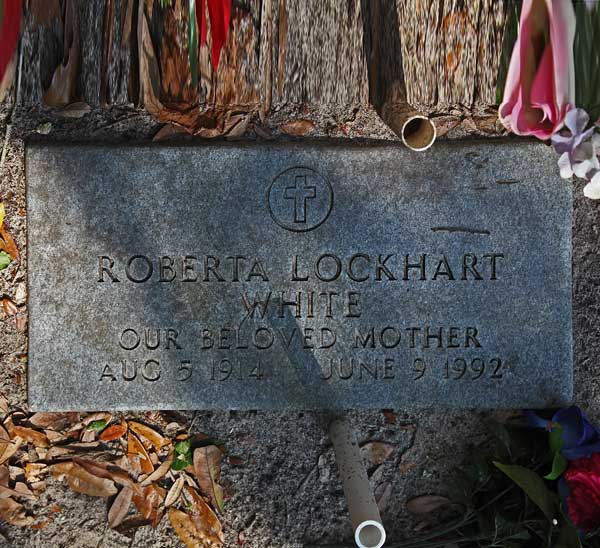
300,193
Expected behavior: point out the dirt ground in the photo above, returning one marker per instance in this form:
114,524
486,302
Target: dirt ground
285,492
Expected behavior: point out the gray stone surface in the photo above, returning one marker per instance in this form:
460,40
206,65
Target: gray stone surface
505,337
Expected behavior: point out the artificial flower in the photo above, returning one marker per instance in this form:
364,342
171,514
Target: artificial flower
592,189
219,12
583,496
577,146
540,84
580,438
10,25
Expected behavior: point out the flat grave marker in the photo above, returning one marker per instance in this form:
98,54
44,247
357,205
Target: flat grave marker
306,276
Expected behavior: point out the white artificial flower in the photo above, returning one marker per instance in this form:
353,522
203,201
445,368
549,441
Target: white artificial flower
578,151
592,189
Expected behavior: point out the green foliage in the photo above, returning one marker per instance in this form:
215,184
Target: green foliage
183,447
184,457
559,465
534,488
164,3
193,42
98,426
5,260
502,499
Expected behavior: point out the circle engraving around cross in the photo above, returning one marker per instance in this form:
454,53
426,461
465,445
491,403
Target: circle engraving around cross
300,199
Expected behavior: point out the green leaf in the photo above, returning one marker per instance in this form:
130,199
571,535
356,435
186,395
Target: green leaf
183,447
193,42
181,462
533,486
568,537
98,426
500,432
1,15
5,260
559,465
555,440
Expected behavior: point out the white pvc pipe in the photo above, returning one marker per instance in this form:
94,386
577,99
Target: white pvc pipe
364,514
418,133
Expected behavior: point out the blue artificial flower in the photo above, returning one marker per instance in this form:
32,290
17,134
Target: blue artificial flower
578,436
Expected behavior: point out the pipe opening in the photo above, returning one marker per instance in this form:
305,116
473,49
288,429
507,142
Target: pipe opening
369,534
418,133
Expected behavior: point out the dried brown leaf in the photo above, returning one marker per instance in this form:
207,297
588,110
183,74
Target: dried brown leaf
3,405
187,530
107,470
425,504
94,417
81,481
84,445
12,512
4,475
120,507
4,440
88,436
206,521
10,308
153,438
22,490
33,470
161,471
20,322
8,243
207,468
113,432
298,127
135,448
11,449
55,452
53,421
376,452
148,503
175,491
39,439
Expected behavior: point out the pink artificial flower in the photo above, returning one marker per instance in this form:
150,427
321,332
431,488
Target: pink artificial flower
540,84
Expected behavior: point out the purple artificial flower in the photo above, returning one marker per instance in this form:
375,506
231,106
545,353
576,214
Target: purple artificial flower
580,438
577,146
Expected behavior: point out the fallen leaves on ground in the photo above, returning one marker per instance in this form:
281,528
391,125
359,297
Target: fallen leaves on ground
207,467
8,248
130,463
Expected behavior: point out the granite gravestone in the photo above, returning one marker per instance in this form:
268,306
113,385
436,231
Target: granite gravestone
298,276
